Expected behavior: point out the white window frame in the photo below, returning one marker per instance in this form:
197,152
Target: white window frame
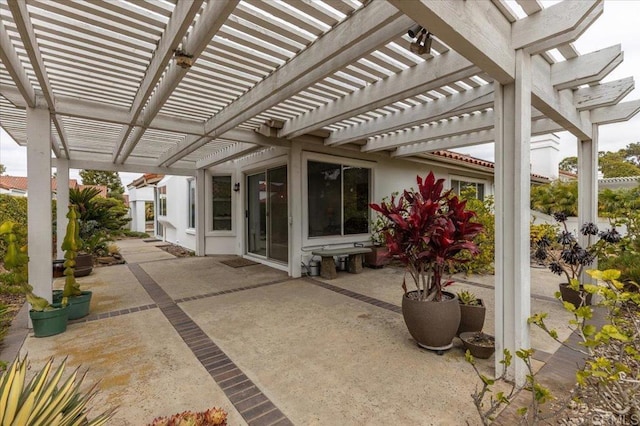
162,196
468,179
345,161
191,182
209,207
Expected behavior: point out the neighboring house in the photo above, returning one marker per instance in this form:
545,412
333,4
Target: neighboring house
277,206
17,185
141,194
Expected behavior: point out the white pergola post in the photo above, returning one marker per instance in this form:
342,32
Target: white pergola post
200,213
39,201
588,185
512,153
62,203
295,210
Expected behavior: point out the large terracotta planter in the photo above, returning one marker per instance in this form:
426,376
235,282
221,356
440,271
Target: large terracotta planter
377,258
572,296
84,265
471,317
432,324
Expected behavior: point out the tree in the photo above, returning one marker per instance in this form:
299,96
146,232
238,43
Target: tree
2,169
109,179
632,153
569,164
615,164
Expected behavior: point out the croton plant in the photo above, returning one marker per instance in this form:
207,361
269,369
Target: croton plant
427,229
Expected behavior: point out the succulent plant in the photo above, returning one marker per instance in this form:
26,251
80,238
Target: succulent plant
45,400
468,298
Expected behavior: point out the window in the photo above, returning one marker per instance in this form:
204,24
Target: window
162,201
192,203
221,203
459,186
338,199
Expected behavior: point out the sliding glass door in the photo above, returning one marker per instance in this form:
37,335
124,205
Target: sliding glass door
267,214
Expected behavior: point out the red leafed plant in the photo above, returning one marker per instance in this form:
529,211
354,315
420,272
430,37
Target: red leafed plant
427,229
212,417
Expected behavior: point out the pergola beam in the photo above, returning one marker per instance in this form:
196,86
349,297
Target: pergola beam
554,26
614,114
432,74
585,69
28,36
461,103
227,153
601,95
445,129
130,167
480,32
477,30
368,28
176,29
557,105
16,70
539,126
212,18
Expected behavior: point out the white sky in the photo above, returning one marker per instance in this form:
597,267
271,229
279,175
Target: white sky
618,24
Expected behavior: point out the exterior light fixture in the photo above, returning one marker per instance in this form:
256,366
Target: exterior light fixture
422,45
414,30
183,59
236,186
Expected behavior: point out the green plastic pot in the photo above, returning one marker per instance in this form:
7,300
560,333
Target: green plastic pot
56,297
49,323
79,305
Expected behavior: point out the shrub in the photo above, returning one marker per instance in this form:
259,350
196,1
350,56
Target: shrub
13,209
483,261
212,417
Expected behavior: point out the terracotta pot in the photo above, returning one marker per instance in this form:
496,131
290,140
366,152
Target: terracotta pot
58,268
471,317
432,324
572,296
84,265
479,349
378,257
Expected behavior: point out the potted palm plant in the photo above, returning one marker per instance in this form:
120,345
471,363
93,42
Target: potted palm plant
79,301
427,230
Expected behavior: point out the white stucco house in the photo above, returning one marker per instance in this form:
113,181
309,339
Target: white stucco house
249,203
141,196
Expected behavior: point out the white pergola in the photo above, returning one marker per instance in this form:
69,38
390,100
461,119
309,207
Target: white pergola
97,83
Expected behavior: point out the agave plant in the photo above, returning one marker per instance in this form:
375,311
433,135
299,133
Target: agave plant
45,400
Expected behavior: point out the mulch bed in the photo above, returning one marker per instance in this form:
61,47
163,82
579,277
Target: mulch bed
176,250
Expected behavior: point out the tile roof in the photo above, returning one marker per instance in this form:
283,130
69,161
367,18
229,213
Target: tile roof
20,183
463,158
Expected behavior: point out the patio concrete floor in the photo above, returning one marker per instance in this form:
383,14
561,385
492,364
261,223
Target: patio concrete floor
172,334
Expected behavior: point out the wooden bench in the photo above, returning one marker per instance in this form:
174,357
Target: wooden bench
328,266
